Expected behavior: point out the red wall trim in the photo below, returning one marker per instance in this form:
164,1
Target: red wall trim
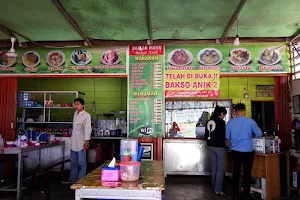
121,75
64,76
8,101
282,111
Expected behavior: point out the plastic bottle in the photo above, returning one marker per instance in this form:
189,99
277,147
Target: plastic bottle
1,141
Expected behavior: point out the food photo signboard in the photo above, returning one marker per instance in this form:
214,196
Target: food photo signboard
107,60
146,104
247,58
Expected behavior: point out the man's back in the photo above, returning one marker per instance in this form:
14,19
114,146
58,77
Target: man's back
240,130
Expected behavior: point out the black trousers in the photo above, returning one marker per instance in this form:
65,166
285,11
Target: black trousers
245,160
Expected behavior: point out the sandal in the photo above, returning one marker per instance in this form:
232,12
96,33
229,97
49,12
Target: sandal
220,193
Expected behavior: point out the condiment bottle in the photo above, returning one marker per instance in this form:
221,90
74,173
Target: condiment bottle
126,156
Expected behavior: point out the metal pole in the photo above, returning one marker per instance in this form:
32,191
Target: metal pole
20,174
63,164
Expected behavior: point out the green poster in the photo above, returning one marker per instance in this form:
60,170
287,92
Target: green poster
79,60
246,58
146,105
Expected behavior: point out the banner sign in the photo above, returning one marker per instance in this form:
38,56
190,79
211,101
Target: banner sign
107,60
192,83
247,58
146,105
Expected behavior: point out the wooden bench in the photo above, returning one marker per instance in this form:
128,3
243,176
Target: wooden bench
44,170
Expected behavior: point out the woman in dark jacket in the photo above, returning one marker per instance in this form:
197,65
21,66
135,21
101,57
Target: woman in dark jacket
215,137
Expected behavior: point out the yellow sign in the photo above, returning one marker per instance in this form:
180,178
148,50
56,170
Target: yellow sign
192,83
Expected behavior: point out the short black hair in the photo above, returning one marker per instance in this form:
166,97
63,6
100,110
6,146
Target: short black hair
240,107
218,111
80,100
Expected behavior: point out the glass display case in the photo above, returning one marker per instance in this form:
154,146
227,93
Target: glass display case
187,114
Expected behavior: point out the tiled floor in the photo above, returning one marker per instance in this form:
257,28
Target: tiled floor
177,188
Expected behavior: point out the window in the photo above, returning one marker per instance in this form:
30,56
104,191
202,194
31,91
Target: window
186,114
295,61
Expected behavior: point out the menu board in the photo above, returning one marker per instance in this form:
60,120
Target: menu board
107,60
146,91
247,58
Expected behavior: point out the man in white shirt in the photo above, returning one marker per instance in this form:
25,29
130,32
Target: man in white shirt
80,140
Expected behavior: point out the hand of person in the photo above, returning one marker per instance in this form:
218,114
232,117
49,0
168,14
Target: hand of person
228,143
86,145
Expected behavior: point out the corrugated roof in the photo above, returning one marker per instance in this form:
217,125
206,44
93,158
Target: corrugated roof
40,20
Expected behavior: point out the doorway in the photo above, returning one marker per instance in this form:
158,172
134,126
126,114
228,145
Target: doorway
263,113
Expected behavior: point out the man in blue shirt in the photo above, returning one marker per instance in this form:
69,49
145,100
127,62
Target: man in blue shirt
239,132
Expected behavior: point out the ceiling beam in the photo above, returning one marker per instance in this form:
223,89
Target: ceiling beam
149,20
295,37
232,21
6,31
14,33
213,41
70,19
97,42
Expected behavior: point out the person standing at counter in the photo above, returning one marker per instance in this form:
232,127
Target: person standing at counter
240,131
215,137
81,135
174,130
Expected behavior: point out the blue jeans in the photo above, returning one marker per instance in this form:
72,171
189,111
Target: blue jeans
78,165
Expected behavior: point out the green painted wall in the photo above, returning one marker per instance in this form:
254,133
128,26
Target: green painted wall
110,94
235,88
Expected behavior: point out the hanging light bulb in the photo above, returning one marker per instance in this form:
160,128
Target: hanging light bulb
236,41
11,52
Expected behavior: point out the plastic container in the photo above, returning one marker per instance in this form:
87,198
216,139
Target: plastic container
118,132
130,145
110,174
130,171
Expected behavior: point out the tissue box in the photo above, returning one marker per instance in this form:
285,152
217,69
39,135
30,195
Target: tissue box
296,179
111,174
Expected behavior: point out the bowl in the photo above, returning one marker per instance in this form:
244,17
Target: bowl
189,57
29,120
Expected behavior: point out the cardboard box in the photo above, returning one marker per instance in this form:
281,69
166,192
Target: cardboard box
296,179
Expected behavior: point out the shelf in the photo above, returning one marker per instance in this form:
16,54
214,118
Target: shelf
47,110
46,122
109,138
294,189
47,107
53,92
31,107
58,122
59,107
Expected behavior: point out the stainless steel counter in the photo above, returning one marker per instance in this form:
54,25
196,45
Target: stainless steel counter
20,152
186,157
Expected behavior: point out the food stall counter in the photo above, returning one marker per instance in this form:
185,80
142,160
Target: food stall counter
192,156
